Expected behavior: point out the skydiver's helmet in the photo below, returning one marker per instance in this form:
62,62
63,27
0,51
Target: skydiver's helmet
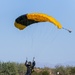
29,63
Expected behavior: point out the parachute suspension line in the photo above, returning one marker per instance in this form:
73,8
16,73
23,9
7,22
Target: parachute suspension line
32,42
55,37
46,35
52,30
67,29
51,35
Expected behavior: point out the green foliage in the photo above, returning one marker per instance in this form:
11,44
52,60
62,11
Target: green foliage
12,68
9,68
60,69
72,70
68,70
45,73
21,69
35,73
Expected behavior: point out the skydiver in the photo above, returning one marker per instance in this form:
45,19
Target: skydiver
30,67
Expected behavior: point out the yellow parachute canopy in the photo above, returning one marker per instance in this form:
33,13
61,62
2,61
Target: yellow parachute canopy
25,20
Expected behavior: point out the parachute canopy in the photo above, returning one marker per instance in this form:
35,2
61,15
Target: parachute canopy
25,20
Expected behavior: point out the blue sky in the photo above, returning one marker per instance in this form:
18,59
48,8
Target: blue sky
42,40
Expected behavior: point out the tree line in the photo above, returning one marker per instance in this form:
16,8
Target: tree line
13,68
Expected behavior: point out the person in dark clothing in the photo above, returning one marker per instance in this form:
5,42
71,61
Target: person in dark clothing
30,67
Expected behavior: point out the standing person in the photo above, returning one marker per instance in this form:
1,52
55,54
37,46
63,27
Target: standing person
30,67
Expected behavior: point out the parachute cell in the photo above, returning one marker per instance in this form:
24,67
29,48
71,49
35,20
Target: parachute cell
25,20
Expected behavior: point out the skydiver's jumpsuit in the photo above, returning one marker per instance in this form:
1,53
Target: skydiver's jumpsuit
30,67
